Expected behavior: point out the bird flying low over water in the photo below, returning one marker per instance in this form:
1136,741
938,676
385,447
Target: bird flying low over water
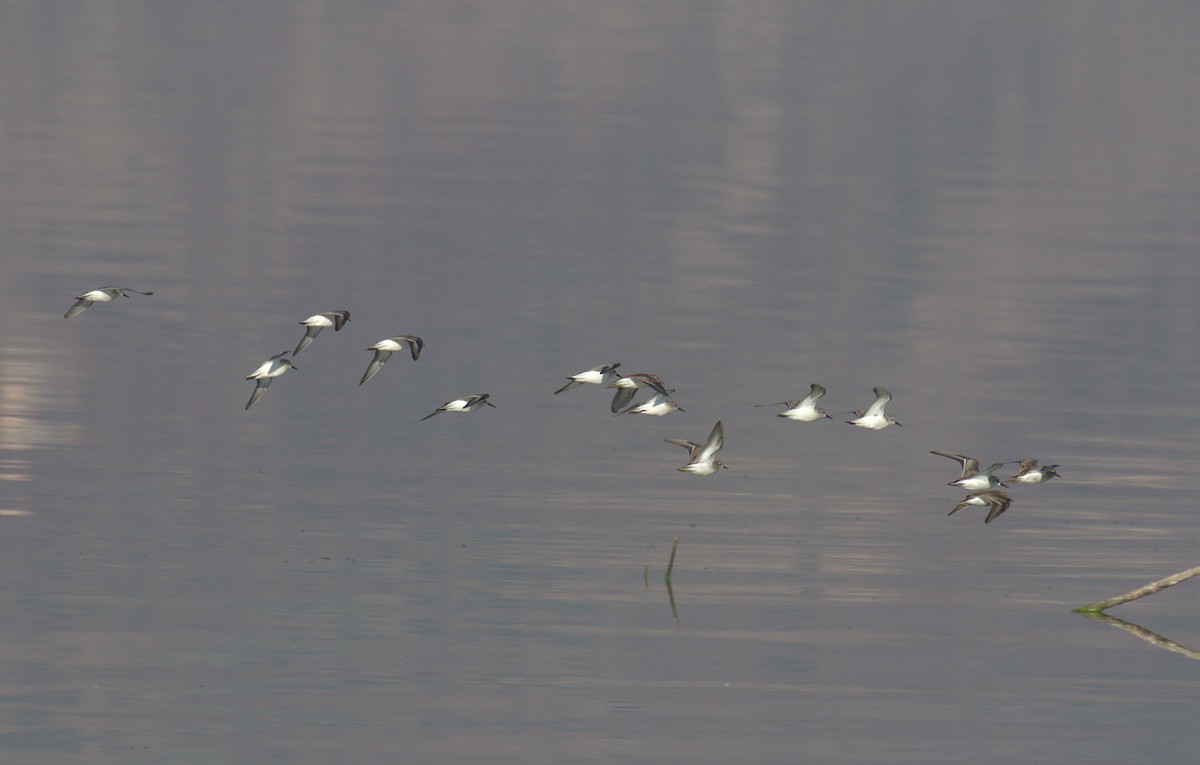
385,348
804,410
268,371
1031,473
468,404
627,387
101,295
972,478
658,405
995,501
702,457
602,375
335,319
873,417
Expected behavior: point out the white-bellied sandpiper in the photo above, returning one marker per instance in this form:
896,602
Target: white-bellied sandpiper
385,348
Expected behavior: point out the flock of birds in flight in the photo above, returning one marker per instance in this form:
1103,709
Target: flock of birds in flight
701,456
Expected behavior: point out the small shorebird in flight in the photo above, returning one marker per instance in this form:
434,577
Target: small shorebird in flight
1031,473
602,375
804,410
995,501
467,404
658,405
873,417
627,387
268,371
385,348
702,457
972,478
101,295
335,319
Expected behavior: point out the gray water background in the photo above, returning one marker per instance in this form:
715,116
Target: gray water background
988,208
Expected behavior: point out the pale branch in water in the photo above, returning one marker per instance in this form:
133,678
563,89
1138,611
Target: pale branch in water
671,563
1141,592
670,590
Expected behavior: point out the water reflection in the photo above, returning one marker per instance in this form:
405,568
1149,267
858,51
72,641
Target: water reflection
1150,636
28,376
986,210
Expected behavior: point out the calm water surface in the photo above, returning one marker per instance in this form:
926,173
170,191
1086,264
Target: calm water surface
987,208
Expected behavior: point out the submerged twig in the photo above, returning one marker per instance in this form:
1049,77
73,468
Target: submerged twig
671,597
670,590
1141,592
671,563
